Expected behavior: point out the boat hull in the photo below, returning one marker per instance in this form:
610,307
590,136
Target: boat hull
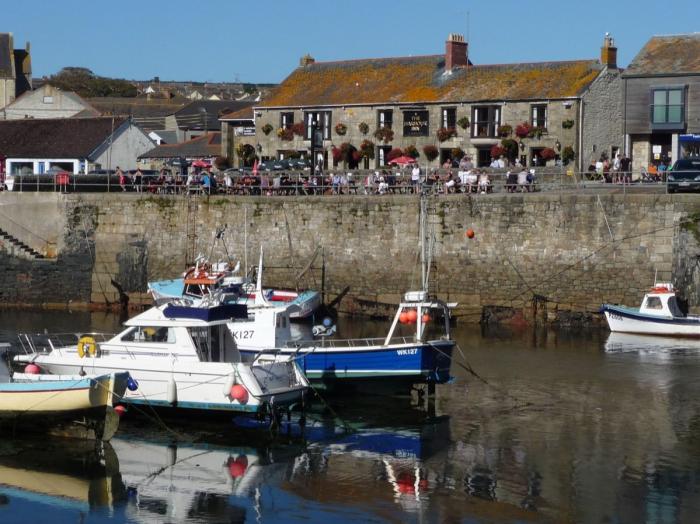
627,320
185,385
407,363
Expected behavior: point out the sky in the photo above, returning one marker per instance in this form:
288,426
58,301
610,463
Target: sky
262,41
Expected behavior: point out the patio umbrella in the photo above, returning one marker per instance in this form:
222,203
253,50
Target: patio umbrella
200,163
403,160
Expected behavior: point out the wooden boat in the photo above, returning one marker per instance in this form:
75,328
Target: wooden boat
658,314
42,402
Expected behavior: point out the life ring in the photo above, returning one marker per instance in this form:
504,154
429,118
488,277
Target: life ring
86,345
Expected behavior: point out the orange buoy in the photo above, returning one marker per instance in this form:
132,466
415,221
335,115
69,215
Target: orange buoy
425,318
403,317
470,233
237,467
119,410
411,316
239,393
32,369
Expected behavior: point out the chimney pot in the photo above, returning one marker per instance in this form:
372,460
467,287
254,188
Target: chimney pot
456,52
307,59
608,53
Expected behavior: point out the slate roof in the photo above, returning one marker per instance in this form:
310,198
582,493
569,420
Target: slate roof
204,146
673,54
193,115
241,114
57,138
423,79
149,115
6,53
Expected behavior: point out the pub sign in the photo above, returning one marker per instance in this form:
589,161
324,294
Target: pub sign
415,123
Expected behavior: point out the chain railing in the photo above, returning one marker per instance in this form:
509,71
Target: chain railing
347,182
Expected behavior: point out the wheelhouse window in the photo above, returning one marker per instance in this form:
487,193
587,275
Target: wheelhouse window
538,115
654,303
448,117
286,120
485,121
668,108
323,122
157,334
385,118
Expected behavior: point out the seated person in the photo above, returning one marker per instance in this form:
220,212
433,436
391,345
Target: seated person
511,181
471,181
484,183
523,184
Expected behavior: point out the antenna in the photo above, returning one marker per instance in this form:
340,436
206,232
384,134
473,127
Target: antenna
468,27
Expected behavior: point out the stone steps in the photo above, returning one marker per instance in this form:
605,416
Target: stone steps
21,246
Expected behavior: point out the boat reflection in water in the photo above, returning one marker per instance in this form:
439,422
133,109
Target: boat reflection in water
58,475
146,480
651,345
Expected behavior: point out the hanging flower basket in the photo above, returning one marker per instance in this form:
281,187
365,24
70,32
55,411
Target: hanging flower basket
267,129
445,133
363,127
505,130
547,154
523,130
411,151
431,152
567,154
367,149
463,122
298,129
567,124
285,134
341,128
385,134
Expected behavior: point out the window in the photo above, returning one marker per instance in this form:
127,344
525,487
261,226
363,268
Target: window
162,335
286,120
382,154
654,303
538,115
323,122
667,109
485,121
385,118
449,117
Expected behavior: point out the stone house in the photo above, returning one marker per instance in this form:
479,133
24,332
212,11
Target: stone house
76,145
661,100
48,102
443,103
15,70
204,147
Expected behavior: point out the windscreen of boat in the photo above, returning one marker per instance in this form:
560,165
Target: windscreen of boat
214,343
674,308
158,334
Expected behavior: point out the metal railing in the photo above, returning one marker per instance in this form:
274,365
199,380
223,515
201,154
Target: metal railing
347,182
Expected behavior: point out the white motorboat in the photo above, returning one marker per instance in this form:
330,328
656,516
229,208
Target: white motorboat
182,357
658,314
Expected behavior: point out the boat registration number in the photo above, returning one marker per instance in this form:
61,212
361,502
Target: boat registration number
412,351
241,335
615,316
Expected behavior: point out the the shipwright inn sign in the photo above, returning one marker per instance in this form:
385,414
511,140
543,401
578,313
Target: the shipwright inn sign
415,122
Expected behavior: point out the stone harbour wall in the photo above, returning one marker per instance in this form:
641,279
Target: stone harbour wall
553,256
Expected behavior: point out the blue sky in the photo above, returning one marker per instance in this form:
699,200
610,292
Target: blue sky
262,41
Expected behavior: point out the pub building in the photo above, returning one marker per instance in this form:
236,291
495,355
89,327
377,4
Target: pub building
371,106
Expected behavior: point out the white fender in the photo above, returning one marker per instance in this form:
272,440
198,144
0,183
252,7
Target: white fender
171,392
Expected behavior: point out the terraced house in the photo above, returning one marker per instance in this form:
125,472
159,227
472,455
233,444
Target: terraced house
441,106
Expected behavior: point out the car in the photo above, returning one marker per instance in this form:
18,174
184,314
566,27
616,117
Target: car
684,176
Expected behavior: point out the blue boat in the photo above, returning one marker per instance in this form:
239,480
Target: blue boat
393,363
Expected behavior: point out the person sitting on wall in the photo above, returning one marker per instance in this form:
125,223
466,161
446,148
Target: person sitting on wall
523,185
484,183
511,181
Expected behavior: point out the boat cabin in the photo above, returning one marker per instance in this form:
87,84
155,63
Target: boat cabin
170,331
661,301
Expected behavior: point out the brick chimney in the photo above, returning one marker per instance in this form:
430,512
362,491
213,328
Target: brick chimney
608,53
455,52
307,59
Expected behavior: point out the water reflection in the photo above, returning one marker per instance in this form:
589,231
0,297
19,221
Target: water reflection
651,345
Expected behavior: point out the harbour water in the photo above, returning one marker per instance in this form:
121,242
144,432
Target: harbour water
538,426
